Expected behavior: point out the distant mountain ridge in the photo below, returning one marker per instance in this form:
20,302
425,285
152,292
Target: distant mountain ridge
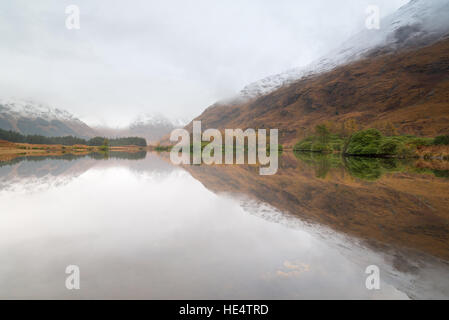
28,117
152,127
33,118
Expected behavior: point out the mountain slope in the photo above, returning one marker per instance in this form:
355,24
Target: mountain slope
418,23
410,90
28,117
400,77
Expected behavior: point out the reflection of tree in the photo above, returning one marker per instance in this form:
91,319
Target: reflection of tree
71,157
321,162
369,169
373,168
118,155
364,168
322,133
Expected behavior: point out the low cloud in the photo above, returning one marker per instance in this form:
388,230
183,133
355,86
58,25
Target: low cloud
175,57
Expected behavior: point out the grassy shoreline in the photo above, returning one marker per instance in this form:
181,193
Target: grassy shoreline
11,150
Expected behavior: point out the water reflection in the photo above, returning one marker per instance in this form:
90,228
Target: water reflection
369,169
146,229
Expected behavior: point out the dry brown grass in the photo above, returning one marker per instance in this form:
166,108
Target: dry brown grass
10,150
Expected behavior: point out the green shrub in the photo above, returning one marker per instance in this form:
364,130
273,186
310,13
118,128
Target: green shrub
388,147
320,147
303,146
441,140
160,148
441,173
366,142
317,143
364,168
420,141
336,146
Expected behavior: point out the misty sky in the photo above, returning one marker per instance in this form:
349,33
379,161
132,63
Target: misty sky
169,57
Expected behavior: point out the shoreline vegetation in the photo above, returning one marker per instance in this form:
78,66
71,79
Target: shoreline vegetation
168,148
12,136
369,168
373,144
11,150
14,144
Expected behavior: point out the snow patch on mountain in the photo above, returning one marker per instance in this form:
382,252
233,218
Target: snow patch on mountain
33,110
419,22
157,120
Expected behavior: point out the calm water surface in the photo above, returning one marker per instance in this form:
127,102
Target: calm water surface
142,228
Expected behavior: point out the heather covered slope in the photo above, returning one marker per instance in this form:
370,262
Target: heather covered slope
409,89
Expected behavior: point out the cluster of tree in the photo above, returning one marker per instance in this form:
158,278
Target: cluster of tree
128,141
323,140
370,142
13,136
441,140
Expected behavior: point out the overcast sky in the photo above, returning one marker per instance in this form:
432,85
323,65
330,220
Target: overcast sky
169,57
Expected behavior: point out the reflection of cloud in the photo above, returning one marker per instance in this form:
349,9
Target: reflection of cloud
35,174
292,269
297,266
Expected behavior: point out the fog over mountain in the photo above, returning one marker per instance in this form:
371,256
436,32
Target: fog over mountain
152,127
394,76
30,117
172,57
418,23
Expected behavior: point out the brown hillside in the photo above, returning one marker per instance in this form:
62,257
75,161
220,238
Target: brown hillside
408,89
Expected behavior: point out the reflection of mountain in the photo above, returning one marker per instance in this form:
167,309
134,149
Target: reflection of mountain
356,207
385,216
402,209
418,275
32,173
